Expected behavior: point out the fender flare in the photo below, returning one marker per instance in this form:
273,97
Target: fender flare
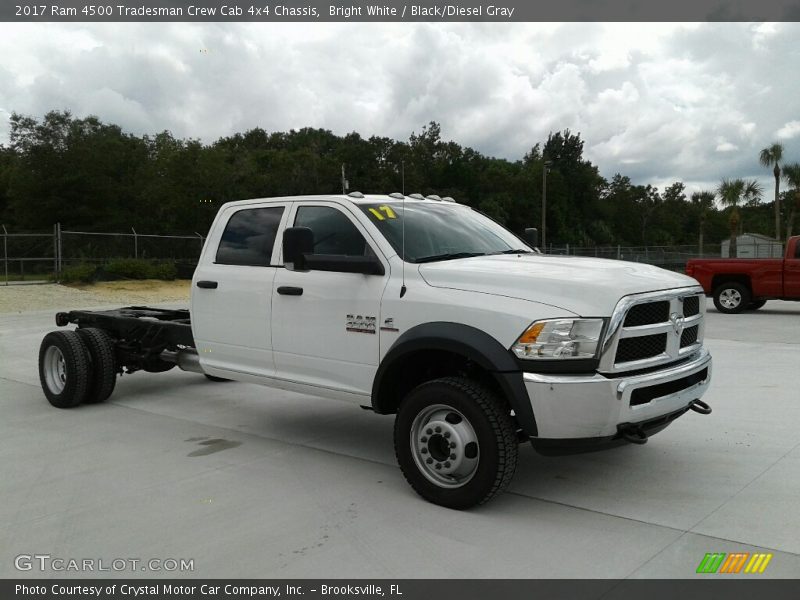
472,343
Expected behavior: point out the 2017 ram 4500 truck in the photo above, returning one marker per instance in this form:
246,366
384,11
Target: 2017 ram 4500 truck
422,308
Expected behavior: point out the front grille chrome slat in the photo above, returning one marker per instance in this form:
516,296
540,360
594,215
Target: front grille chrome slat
653,329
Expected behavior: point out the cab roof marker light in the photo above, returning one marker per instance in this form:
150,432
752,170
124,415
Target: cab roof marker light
356,195
417,196
396,195
434,197
448,199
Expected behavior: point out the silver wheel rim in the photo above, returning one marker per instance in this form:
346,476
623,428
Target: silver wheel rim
444,446
55,370
730,298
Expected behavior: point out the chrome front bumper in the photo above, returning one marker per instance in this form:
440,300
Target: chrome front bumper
592,406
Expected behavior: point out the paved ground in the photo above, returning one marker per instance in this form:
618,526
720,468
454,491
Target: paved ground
250,482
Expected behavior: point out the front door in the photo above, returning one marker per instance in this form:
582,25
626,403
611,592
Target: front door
791,274
325,324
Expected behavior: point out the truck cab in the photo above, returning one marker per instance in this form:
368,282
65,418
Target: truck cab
425,309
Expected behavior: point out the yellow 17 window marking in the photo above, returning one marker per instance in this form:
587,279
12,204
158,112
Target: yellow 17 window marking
386,209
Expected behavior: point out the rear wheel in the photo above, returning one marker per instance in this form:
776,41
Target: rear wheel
65,369
731,297
756,304
104,364
455,442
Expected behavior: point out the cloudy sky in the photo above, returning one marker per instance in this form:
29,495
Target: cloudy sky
658,102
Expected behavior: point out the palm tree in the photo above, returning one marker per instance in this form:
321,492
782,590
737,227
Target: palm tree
731,193
772,155
791,173
704,201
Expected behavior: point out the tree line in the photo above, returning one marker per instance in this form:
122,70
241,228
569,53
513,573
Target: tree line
94,176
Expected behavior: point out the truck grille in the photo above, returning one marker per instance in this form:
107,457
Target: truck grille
647,314
654,329
637,348
691,306
689,336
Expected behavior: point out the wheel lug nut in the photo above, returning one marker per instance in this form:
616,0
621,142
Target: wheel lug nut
424,439
447,465
438,465
452,457
438,429
429,461
429,431
452,444
424,450
447,434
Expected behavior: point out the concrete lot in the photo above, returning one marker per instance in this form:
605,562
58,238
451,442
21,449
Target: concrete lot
250,482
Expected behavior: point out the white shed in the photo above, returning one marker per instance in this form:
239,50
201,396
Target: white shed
754,245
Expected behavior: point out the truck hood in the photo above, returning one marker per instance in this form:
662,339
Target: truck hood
584,286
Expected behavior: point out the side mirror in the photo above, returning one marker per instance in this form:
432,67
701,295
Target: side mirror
531,236
297,241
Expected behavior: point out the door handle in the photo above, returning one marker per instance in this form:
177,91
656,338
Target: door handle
288,290
208,285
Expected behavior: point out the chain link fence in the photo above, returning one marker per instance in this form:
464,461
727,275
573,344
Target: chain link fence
31,257
43,256
670,257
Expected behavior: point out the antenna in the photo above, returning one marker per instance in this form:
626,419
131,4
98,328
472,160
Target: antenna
403,246
403,175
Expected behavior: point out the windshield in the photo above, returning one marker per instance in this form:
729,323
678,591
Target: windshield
435,231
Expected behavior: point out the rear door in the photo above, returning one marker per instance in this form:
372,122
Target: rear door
325,323
232,291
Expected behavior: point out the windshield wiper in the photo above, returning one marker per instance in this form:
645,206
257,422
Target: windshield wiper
517,251
448,256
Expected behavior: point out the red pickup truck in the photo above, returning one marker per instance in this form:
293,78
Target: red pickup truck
739,284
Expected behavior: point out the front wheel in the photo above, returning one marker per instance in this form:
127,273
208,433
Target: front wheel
731,298
455,442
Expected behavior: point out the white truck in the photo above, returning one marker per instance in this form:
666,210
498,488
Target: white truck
422,308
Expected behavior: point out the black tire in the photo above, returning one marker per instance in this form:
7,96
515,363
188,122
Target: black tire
215,378
731,298
455,405
104,364
756,304
65,369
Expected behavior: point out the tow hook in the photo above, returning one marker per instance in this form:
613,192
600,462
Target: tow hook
633,433
700,407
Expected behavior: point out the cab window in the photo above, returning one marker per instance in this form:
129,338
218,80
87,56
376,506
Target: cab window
249,237
334,232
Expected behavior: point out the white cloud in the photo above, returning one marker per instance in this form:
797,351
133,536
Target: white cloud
658,102
789,130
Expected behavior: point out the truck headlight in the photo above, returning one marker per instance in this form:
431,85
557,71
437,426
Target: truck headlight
560,338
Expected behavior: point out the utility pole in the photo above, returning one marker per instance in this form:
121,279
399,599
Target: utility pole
545,168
